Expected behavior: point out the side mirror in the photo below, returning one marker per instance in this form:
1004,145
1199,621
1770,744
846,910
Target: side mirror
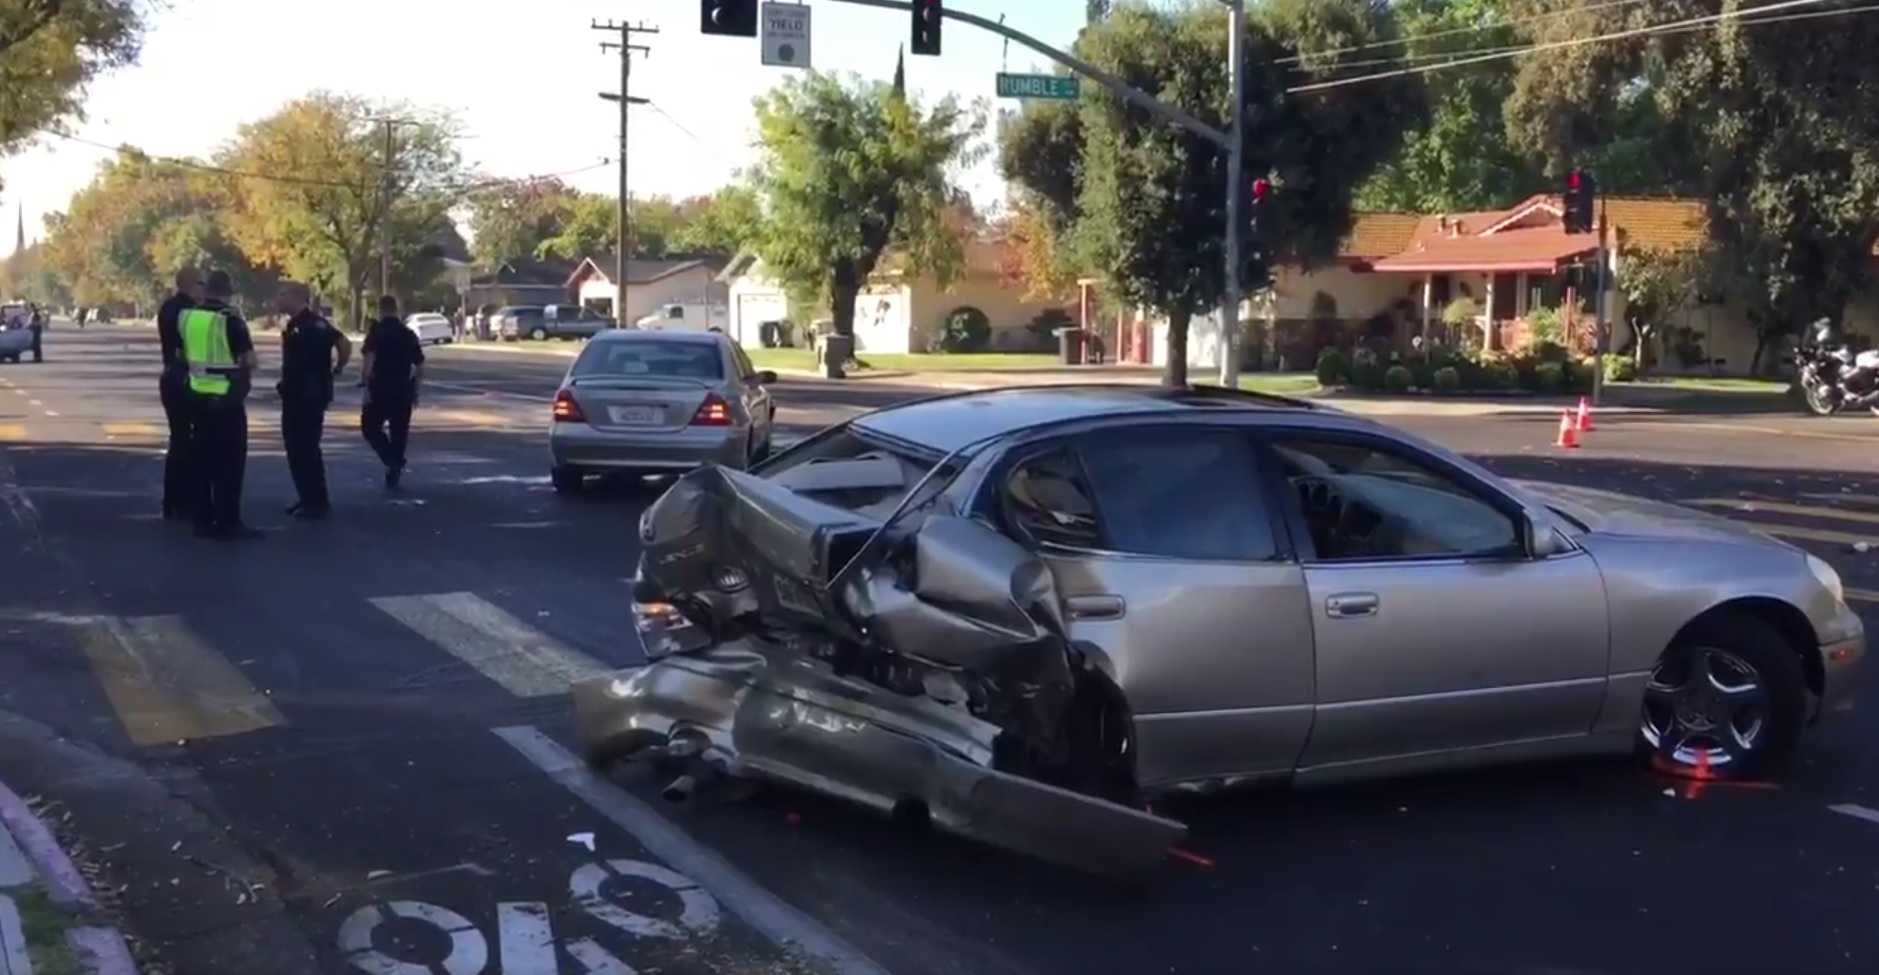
1540,542
766,376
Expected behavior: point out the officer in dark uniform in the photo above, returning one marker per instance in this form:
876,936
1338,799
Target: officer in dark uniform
173,389
306,388
394,365
219,354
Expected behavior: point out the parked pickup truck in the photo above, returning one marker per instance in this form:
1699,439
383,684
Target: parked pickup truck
551,321
687,317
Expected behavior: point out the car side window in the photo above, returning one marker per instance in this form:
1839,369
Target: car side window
1047,498
1185,493
745,370
1359,501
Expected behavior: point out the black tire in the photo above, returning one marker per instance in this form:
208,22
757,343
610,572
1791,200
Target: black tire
567,480
538,334
1738,648
1814,396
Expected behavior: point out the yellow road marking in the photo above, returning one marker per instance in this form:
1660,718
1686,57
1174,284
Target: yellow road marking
1750,428
1862,596
167,685
471,417
12,431
1784,508
133,429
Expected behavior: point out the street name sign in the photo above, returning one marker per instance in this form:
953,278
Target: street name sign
786,35
1037,85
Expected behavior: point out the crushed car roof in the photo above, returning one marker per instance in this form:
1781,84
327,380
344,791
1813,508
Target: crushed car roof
948,423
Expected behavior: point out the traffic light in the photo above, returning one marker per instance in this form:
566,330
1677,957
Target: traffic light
926,26
1254,274
735,17
1581,191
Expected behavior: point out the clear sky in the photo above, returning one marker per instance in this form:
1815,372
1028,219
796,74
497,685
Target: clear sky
522,77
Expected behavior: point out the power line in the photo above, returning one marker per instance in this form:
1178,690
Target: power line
1452,31
1559,45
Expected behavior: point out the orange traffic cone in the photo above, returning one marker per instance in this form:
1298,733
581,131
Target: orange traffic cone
1568,433
1584,420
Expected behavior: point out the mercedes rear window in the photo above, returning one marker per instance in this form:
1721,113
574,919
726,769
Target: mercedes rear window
664,359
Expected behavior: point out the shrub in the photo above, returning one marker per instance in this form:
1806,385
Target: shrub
1459,313
1550,377
1550,351
1620,368
1495,371
1543,327
1422,375
1332,368
1367,374
1448,379
966,330
1043,328
1397,378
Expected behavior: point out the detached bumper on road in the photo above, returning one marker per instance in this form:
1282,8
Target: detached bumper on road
583,446
756,710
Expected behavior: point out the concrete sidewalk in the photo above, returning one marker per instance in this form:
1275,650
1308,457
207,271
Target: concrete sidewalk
48,914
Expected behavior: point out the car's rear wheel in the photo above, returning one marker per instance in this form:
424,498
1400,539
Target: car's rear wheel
567,480
538,334
1725,701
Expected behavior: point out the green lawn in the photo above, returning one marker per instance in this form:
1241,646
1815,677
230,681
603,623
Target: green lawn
1279,383
1714,384
939,362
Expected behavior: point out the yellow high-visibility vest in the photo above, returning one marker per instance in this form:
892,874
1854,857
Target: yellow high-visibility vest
205,351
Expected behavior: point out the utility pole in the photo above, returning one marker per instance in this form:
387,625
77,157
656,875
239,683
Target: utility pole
1236,165
1598,315
384,209
626,47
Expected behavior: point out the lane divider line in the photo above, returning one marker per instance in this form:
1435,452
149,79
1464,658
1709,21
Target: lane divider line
1856,811
522,659
167,685
775,918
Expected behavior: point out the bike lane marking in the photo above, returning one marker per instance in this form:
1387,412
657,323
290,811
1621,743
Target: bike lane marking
773,917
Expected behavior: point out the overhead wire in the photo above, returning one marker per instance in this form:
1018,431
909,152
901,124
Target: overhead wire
1560,45
1452,31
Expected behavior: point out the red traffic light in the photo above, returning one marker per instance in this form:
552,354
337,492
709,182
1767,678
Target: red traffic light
1572,180
1261,188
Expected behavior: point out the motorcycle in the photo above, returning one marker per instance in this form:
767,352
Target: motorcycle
1833,377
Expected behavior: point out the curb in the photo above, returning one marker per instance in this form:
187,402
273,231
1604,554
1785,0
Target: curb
102,950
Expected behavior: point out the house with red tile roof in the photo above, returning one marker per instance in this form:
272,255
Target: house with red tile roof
1396,273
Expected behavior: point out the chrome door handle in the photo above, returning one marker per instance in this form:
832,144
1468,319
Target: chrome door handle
1103,607
1347,605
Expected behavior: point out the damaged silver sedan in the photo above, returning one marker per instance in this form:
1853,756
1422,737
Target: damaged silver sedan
1018,614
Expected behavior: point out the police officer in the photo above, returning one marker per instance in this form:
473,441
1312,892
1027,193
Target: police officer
394,365
173,389
306,388
38,324
219,354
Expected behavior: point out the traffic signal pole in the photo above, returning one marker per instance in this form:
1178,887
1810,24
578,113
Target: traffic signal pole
1598,317
1236,164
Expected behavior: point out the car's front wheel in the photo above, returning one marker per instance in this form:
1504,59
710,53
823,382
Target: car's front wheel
539,335
567,480
1725,701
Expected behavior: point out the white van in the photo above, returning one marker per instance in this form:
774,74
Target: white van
685,317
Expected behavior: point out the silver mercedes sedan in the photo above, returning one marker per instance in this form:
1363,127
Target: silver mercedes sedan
1017,614
658,402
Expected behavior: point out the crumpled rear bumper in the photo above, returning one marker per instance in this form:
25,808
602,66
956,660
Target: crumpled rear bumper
754,709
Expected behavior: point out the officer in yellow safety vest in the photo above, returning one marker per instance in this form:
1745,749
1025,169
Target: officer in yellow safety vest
219,354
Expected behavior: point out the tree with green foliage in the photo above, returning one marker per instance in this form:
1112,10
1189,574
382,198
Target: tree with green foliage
1459,157
588,226
512,218
1656,284
1775,125
319,218
1142,203
50,50
847,170
28,274
724,222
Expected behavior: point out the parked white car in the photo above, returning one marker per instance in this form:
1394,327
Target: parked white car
429,326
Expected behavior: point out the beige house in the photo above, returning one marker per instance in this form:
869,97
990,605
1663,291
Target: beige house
902,311
650,285
1396,274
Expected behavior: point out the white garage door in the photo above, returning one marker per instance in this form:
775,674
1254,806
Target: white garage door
752,311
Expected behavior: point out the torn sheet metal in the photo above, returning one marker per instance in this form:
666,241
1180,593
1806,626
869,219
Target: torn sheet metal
931,679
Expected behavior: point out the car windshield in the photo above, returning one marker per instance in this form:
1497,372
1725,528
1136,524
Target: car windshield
650,357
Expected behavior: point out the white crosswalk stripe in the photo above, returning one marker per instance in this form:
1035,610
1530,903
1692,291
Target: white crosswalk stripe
522,659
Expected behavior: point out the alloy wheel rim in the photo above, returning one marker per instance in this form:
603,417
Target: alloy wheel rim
1704,708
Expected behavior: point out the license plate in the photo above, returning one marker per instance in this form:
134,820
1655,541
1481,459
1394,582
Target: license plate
634,414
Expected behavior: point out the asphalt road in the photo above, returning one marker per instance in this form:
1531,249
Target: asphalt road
343,749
